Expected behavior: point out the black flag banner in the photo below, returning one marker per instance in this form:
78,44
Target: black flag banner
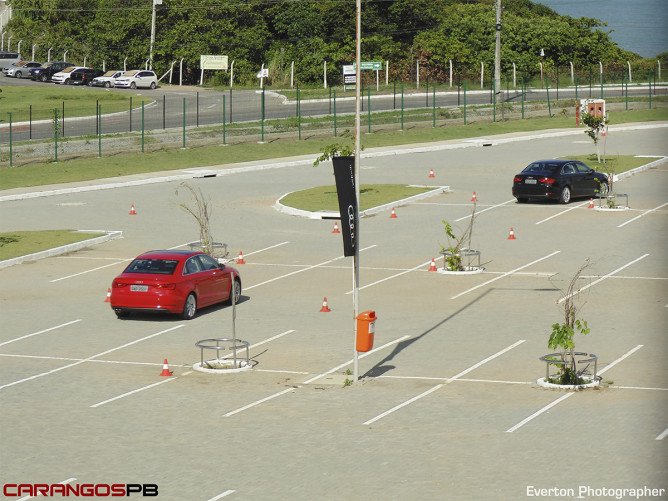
344,173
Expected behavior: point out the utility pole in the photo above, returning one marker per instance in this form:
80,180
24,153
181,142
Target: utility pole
497,51
356,257
150,57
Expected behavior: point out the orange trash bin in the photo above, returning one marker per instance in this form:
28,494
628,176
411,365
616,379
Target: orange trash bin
366,324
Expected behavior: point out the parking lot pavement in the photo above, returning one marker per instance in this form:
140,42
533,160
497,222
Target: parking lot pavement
447,407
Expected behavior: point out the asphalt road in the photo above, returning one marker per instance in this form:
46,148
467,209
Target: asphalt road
447,406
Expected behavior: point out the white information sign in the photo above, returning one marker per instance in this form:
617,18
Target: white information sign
210,62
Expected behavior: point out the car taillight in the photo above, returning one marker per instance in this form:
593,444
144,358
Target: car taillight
117,285
165,286
547,180
517,179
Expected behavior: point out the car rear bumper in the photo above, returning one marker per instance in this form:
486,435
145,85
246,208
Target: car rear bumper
535,192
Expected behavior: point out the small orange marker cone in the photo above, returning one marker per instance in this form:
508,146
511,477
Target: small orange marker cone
393,215
433,265
512,235
241,259
108,300
336,227
591,203
431,173
474,198
132,210
165,369
325,308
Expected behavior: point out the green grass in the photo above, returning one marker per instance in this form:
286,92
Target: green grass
371,195
21,243
613,163
79,101
81,169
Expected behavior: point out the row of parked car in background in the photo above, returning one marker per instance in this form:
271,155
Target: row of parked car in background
65,73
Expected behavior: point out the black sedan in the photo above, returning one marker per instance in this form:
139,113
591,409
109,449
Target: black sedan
559,180
84,76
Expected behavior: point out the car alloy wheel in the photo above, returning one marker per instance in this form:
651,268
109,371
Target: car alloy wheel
565,195
190,307
604,188
44,78
133,85
18,74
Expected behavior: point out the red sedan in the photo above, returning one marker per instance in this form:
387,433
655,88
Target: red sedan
173,281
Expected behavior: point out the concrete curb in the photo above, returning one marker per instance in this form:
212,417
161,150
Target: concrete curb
374,210
212,171
64,249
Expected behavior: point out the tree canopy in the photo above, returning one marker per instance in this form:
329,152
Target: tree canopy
309,32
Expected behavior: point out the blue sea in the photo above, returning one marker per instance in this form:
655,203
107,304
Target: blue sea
639,26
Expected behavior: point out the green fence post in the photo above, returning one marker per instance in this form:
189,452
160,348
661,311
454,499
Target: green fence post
11,155
494,100
576,87
184,123
334,91
626,83
224,120
368,101
522,98
99,131
650,89
299,114
434,108
464,87
130,113
547,90
142,126
402,106
55,131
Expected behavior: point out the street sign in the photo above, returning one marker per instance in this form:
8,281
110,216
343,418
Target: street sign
263,73
368,65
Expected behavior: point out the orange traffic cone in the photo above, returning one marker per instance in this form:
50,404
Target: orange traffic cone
433,265
324,308
132,210
336,227
393,215
431,173
108,300
474,198
591,203
165,369
241,259
512,235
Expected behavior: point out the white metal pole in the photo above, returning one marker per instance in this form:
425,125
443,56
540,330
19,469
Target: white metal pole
292,75
387,73
48,58
630,78
450,73
356,263
324,74
377,80
482,73
65,55
33,52
572,73
231,73
514,75
181,72
417,74
152,36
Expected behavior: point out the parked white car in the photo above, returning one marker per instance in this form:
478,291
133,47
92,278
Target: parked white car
137,78
107,80
63,77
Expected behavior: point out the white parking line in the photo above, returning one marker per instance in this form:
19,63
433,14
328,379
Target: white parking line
266,248
303,269
567,395
271,397
41,332
505,274
221,496
87,271
485,210
64,482
663,435
394,276
89,358
561,213
643,214
133,392
601,279
454,378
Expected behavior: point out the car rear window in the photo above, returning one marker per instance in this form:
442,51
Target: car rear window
153,266
542,168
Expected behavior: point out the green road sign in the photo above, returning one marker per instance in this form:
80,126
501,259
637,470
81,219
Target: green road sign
369,65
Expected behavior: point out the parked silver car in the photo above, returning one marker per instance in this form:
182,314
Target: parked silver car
20,69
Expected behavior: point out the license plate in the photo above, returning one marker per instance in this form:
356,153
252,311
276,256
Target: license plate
139,288
529,181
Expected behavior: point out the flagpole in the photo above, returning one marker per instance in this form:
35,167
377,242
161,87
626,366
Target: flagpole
356,263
